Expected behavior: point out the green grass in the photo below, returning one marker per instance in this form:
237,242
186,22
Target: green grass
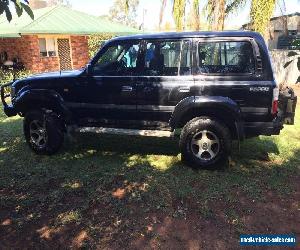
125,178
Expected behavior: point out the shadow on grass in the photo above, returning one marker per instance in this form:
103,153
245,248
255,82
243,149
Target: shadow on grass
99,189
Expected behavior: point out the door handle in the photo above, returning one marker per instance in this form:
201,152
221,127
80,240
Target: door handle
184,89
127,88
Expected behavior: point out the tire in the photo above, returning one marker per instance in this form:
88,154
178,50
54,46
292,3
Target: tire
43,132
205,143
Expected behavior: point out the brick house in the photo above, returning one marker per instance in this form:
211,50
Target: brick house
57,38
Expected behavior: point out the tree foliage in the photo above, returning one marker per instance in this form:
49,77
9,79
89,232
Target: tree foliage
125,12
97,41
195,15
19,5
260,14
179,13
218,10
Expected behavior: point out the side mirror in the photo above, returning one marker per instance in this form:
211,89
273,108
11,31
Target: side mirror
89,69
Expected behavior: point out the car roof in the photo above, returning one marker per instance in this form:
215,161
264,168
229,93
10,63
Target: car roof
173,35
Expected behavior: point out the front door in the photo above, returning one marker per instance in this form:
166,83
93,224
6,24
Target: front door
112,90
64,53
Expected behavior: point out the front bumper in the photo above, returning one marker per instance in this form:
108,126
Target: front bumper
9,109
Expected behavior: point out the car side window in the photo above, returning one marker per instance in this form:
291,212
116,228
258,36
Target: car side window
167,58
118,59
226,58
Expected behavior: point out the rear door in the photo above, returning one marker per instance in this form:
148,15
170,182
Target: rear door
165,80
228,67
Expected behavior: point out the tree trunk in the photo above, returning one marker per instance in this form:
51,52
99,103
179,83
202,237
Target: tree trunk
161,13
195,15
219,15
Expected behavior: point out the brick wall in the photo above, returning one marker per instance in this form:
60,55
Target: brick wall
26,48
80,55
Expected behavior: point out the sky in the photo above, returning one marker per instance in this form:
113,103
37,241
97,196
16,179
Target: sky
152,7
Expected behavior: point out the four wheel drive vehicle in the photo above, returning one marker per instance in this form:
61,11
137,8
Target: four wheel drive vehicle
215,86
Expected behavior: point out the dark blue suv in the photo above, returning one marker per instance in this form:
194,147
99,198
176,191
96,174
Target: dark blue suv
215,86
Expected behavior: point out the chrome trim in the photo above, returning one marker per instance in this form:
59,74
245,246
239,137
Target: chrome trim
123,107
100,106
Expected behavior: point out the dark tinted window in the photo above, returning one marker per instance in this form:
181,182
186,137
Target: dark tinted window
118,59
225,58
167,58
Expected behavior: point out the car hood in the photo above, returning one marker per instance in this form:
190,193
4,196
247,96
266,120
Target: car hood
55,74
46,80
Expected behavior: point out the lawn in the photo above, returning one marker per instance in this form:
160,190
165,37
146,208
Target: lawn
133,192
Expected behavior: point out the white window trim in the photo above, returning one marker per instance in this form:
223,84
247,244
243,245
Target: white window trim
47,48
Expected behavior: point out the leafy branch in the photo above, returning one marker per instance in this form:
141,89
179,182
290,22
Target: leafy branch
20,6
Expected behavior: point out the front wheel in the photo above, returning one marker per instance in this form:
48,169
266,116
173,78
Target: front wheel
205,143
43,132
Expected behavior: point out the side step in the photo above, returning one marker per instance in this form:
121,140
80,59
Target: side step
121,131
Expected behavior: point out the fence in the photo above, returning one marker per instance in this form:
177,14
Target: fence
287,75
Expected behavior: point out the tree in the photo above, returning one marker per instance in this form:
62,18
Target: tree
216,14
260,14
124,11
20,6
218,11
195,15
161,13
179,13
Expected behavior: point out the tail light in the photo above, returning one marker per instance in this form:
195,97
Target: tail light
275,101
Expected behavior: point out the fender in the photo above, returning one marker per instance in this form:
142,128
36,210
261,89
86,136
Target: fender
205,104
46,98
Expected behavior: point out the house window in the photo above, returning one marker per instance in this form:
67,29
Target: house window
47,47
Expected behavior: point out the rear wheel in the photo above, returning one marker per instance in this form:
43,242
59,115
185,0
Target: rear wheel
43,132
205,143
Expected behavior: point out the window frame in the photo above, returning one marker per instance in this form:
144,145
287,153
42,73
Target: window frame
255,51
47,47
109,44
151,40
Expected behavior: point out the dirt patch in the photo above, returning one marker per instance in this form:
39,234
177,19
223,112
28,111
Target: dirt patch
185,225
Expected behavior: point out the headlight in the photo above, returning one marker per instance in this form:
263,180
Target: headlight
12,92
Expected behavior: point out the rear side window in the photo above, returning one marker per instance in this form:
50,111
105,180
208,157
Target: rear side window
226,58
167,58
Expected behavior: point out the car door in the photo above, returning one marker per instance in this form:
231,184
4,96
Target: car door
228,67
165,80
110,96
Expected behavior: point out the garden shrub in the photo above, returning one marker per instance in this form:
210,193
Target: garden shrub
97,41
7,75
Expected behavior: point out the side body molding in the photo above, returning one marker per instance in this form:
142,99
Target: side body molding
45,98
223,107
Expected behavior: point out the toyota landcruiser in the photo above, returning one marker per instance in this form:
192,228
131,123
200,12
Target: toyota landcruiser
214,86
